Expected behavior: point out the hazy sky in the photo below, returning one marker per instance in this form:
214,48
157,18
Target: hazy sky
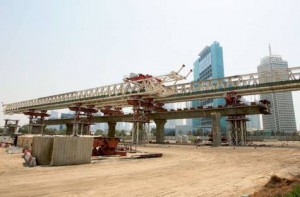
52,47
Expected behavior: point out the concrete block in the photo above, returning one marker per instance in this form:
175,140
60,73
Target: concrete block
25,141
58,151
20,141
42,148
71,150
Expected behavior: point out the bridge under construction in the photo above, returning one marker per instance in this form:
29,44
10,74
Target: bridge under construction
147,94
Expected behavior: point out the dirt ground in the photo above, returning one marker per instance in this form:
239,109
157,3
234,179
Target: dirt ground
182,171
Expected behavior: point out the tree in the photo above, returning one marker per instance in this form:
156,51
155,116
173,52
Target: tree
50,131
123,133
24,129
278,133
1,130
99,132
63,131
198,132
120,133
153,131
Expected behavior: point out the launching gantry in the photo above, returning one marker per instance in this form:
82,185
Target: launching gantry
110,95
137,91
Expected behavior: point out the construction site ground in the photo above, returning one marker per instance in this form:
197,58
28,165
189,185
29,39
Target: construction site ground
184,170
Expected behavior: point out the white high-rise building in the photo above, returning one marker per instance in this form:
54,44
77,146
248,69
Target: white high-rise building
282,118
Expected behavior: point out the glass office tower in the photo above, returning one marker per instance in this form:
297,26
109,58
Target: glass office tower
209,65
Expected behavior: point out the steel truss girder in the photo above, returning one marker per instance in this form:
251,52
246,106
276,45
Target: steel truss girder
117,94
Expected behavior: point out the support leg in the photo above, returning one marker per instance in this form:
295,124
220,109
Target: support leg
216,129
111,129
160,136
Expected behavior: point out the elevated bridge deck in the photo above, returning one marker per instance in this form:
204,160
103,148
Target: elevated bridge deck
178,114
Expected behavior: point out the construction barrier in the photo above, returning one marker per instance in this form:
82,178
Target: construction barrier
29,159
42,147
71,150
25,141
58,150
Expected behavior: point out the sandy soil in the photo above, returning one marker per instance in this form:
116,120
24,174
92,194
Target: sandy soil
182,171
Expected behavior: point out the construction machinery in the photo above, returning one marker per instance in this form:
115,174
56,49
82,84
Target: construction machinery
104,146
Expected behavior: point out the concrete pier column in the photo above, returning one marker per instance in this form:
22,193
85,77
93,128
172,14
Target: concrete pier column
86,130
30,125
216,134
69,129
160,125
111,129
235,133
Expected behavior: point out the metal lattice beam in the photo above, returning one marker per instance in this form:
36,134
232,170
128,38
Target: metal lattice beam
117,94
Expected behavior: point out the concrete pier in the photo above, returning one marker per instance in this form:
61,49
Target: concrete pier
216,135
111,128
160,125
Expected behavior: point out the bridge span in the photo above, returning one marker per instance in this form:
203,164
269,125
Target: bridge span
147,95
160,118
177,114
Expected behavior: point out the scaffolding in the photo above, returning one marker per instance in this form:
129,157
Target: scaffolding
36,121
82,119
237,130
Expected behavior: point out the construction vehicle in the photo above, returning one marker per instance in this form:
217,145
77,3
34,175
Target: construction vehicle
104,146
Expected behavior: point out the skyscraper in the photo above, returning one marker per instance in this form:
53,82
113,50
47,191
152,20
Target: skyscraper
282,118
209,65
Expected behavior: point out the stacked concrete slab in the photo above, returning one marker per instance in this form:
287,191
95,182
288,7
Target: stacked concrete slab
58,151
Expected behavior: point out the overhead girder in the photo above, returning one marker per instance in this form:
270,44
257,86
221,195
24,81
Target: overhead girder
117,94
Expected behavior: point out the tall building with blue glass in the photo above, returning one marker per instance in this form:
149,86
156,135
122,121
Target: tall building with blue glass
209,65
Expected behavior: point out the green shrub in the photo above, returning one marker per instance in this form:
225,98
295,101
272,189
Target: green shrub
295,192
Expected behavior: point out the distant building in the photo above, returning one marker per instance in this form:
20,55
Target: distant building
123,126
171,124
282,118
53,115
183,129
209,65
254,122
189,122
